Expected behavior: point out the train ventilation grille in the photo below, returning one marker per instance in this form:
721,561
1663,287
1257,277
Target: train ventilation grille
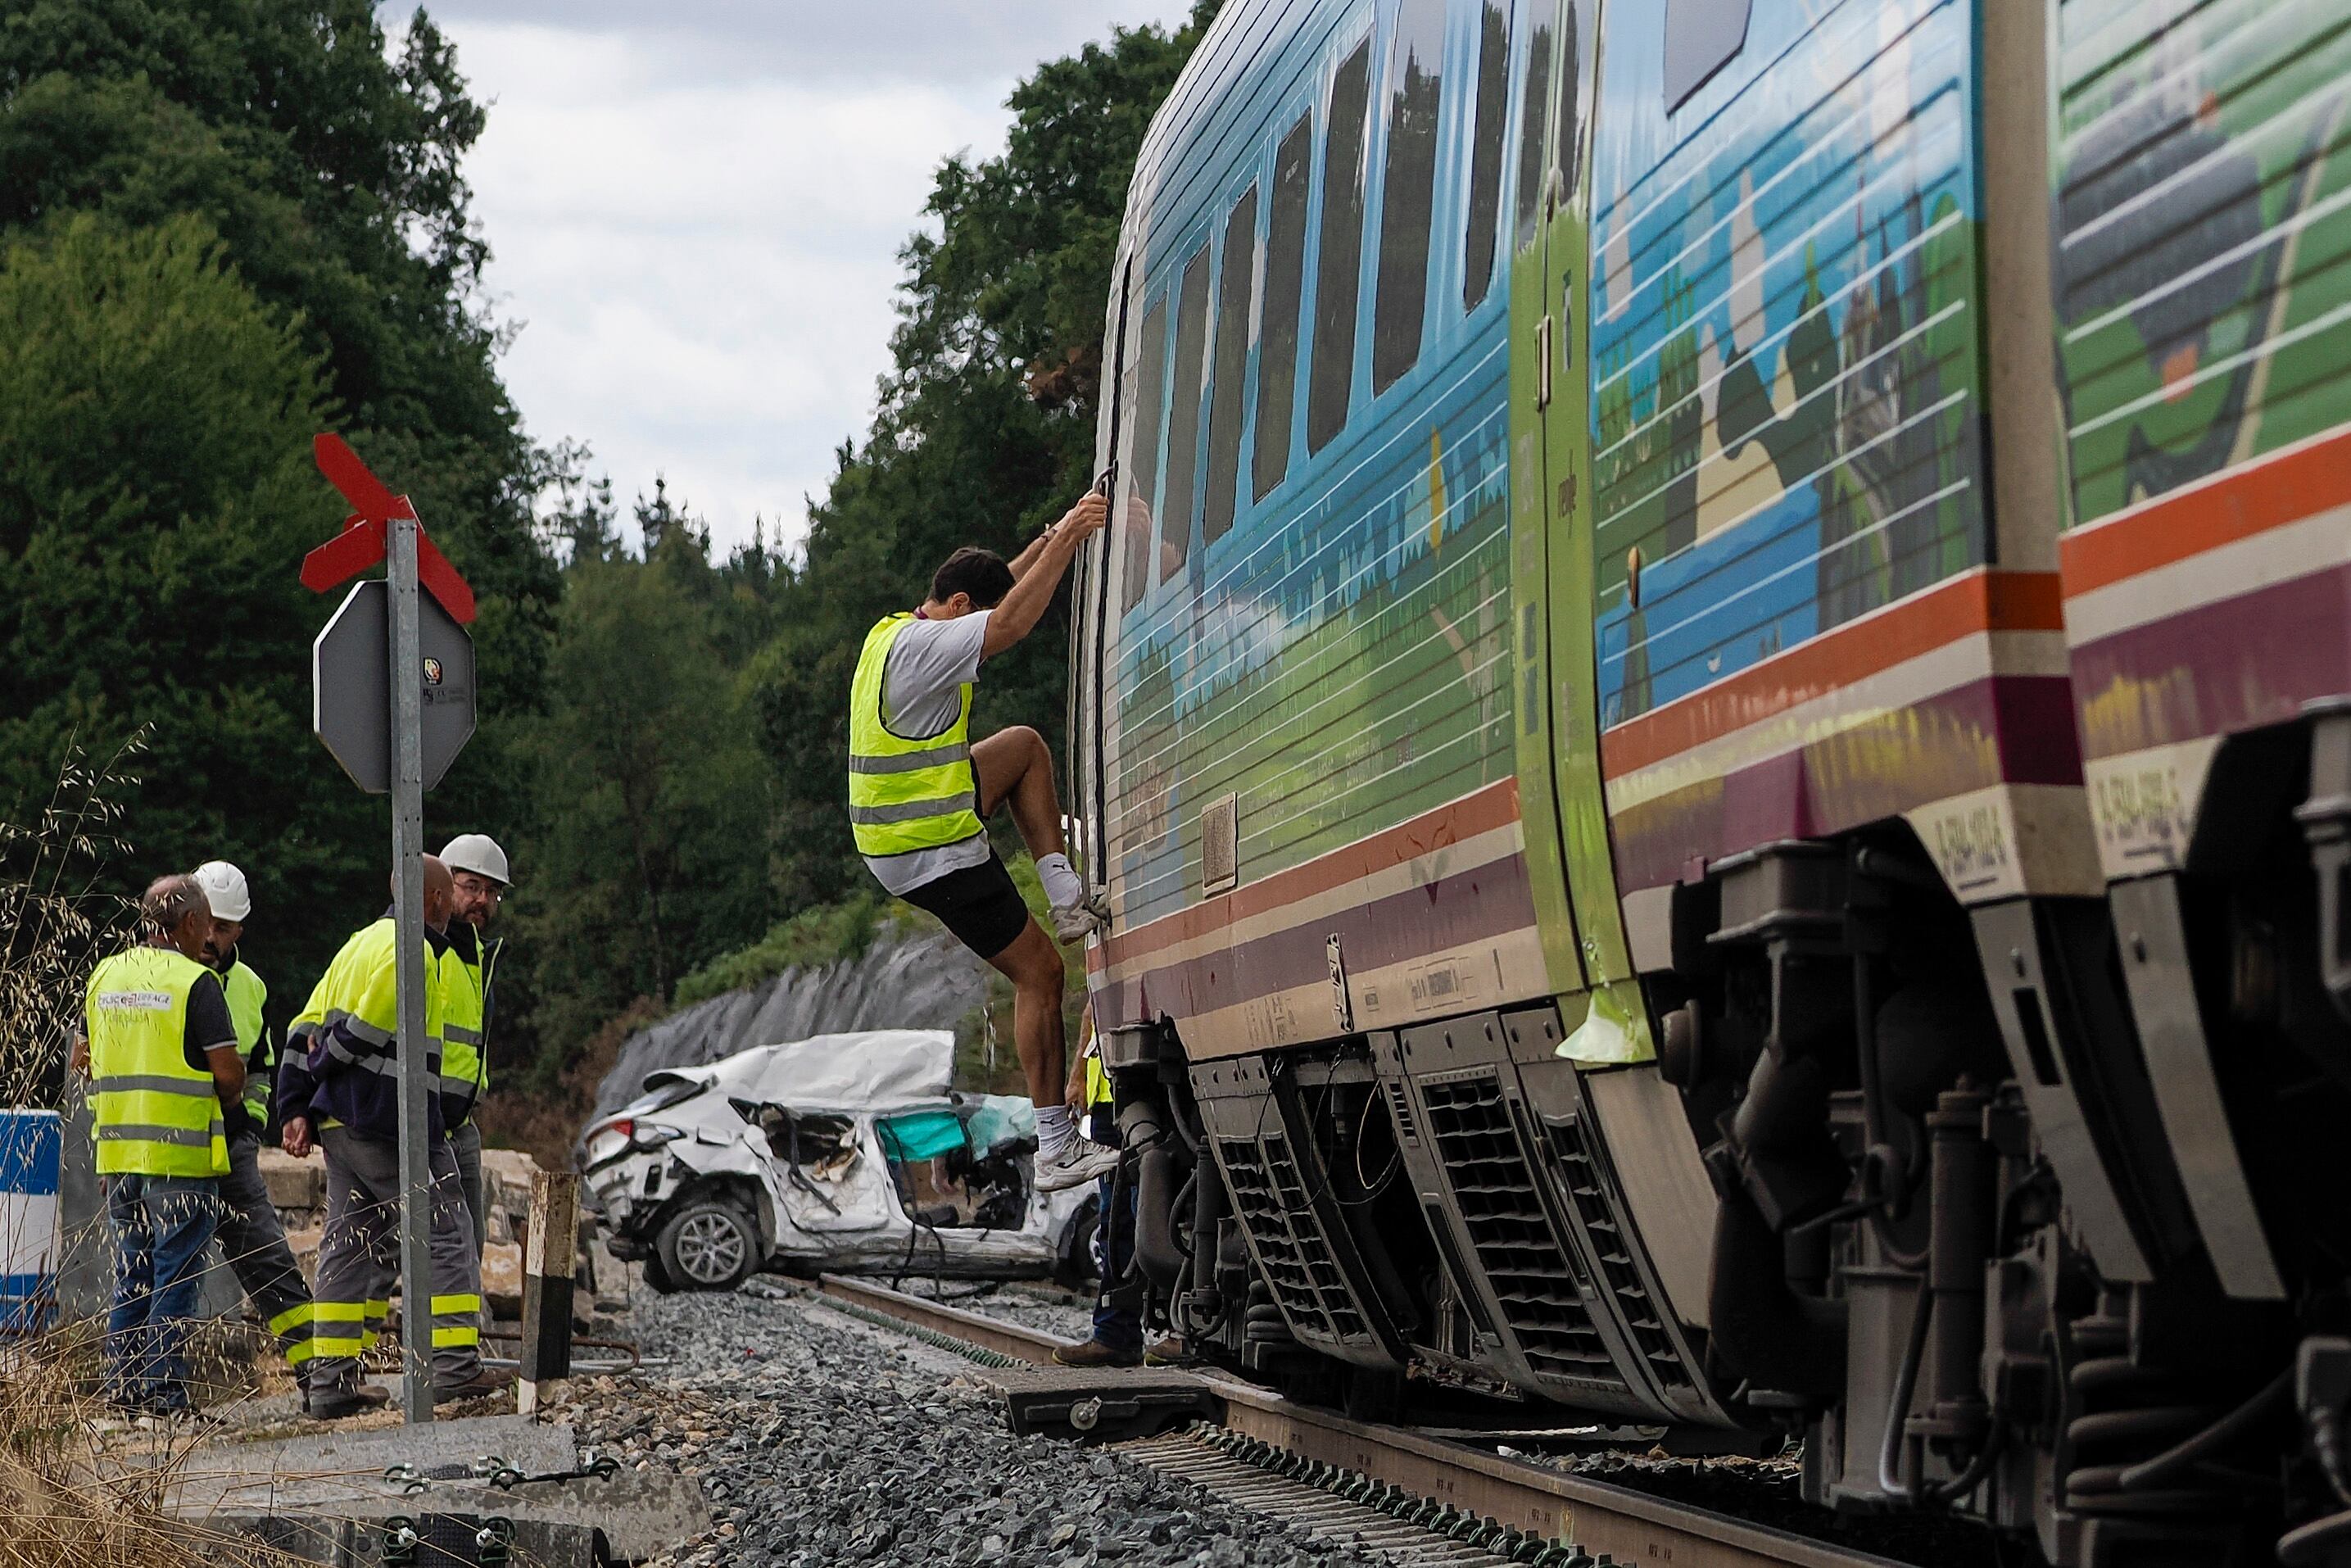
1298,1268
1400,1101
1640,1309
1495,1191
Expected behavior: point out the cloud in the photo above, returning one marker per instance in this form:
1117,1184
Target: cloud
704,263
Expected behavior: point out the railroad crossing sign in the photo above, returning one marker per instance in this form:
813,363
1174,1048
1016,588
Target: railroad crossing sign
392,697
351,701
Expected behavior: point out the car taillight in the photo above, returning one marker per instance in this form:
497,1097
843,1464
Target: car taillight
624,1127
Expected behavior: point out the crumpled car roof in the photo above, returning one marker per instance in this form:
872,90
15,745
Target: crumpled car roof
865,1070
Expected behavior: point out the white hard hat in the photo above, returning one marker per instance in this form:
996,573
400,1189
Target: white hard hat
224,890
478,853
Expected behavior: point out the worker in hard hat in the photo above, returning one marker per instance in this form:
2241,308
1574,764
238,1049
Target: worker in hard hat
165,1067
342,1095
477,869
251,1237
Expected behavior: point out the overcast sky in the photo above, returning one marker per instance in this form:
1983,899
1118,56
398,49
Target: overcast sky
695,209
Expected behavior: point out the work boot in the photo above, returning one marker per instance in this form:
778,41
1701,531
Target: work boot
485,1381
334,1404
1094,1353
1082,1160
1168,1350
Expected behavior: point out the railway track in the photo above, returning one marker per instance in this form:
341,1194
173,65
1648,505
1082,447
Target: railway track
1409,1496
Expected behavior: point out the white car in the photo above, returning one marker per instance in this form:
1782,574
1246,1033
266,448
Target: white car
843,1154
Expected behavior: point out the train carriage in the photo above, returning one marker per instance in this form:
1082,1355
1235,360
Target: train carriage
1715,717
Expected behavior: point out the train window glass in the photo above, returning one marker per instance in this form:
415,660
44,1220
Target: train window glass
1338,269
1150,403
1486,154
1235,289
1285,273
1568,123
1535,106
1414,93
1184,415
1701,38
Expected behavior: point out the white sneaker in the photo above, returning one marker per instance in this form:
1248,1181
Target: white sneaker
1088,917
1082,1160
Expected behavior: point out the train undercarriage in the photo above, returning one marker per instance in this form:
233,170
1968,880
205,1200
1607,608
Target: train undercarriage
2029,1213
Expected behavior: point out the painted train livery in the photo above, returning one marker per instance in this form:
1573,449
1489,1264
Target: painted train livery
1717,718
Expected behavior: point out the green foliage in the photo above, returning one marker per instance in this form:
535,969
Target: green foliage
828,934
227,225
154,422
648,797
986,430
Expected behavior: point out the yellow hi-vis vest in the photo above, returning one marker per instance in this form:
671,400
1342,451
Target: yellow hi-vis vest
246,999
153,1114
905,794
465,1065
362,986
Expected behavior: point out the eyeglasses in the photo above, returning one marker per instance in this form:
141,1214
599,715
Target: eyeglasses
481,888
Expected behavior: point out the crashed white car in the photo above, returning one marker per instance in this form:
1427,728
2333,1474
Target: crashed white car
843,1154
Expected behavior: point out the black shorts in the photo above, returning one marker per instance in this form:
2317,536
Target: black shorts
978,904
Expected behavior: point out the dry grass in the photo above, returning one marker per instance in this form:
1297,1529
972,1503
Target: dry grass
77,1489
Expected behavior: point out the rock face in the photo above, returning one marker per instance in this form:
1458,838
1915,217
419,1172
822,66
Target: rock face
921,980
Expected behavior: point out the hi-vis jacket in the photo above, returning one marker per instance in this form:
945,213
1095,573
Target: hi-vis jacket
152,1113
905,794
342,1056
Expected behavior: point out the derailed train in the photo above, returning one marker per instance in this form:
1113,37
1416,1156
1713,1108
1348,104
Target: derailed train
1717,718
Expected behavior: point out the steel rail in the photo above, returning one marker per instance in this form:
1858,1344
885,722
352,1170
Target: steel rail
1600,1517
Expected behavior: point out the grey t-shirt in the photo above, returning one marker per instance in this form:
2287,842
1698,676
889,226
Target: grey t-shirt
929,664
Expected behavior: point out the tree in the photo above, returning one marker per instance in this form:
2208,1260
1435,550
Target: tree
986,427
154,488
649,796
320,168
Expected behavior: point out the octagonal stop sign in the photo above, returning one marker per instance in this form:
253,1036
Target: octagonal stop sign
350,697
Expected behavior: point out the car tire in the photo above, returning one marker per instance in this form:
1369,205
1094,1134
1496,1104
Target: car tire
708,1244
1074,1269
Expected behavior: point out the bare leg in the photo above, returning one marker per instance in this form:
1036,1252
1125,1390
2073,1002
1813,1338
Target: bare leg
1016,768
1033,965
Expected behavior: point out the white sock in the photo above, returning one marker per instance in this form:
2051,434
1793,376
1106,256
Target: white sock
1055,1128
1062,888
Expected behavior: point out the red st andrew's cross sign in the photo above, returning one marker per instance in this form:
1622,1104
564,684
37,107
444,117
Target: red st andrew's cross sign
351,700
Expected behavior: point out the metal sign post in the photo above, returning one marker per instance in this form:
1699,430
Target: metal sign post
405,658
353,700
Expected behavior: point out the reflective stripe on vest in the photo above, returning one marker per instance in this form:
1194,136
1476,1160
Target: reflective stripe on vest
905,794
360,992
464,1066
154,1114
246,999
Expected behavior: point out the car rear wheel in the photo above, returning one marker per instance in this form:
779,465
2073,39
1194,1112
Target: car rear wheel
709,1244
1075,1269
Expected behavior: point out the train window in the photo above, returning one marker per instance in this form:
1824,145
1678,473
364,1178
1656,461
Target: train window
1338,269
1184,415
1486,155
1235,289
1285,273
1535,101
1567,124
1150,403
1414,93
1701,38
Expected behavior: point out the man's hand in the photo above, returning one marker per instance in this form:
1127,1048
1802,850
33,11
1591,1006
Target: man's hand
81,1054
1074,1095
1083,520
295,1135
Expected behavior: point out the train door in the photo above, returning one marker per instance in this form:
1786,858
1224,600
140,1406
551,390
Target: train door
1558,777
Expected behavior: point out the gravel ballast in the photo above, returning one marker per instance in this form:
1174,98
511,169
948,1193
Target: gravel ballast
817,1439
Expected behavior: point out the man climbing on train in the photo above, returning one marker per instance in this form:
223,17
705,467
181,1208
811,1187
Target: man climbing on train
921,790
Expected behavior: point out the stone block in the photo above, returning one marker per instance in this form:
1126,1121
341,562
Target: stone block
292,1183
